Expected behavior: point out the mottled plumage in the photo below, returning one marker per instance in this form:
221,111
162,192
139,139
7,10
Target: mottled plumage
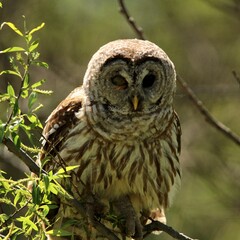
121,129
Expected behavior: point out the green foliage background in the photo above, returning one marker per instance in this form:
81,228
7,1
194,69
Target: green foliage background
202,39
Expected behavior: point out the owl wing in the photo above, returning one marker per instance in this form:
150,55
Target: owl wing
58,124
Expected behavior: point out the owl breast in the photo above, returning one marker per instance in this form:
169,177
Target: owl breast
134,164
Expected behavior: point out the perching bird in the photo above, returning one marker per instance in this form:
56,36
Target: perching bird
122,132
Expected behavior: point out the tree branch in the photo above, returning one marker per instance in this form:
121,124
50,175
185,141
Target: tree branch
204,111
159,226
21,154
130,20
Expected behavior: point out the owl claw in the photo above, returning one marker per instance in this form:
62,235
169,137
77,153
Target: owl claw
133,226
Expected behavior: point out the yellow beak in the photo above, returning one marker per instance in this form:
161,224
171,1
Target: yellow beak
135,102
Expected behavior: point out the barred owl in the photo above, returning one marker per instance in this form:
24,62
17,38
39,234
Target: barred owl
121,131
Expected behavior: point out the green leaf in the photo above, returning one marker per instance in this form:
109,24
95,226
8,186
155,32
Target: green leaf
16,109
32,99
68,168
2,130
13,49
38,84
0,5
17,198
32,118
33,46
10,72
10,90
36,194
36,29
25,88
40,64
17,141
12,26
45,92
27,222
53,188
46,182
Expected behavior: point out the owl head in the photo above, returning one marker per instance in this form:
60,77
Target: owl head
130,77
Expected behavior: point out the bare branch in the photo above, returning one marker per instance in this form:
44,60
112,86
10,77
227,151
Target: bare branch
214,122
159,226
130,20
204,111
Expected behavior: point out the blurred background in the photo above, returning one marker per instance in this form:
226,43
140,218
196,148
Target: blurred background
202,38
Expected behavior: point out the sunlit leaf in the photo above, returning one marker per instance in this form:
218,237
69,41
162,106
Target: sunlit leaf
10,72
10,90
36,28
33,46
32,118
68,168
12,26
32,99
17,198
28,222
17,141
13,49
38,84
45,92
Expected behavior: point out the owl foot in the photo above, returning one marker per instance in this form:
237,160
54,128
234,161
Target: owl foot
133,227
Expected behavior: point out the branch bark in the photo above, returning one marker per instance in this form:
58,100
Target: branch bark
158,226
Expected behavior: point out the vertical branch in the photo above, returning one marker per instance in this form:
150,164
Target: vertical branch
130,20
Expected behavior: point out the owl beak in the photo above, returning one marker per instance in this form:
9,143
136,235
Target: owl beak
135,102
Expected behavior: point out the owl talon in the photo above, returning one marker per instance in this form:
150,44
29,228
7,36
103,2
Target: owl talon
133,226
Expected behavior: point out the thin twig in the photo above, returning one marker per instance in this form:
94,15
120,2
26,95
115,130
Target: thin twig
204,111
130,20
159,226
236,77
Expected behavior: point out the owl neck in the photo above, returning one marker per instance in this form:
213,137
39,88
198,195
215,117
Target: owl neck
125,127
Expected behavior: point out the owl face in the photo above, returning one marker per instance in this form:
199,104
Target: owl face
130,77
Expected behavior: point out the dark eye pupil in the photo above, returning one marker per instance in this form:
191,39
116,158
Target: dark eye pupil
148,80
119,81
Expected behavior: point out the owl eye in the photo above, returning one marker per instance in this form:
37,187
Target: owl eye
148,80
119,81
